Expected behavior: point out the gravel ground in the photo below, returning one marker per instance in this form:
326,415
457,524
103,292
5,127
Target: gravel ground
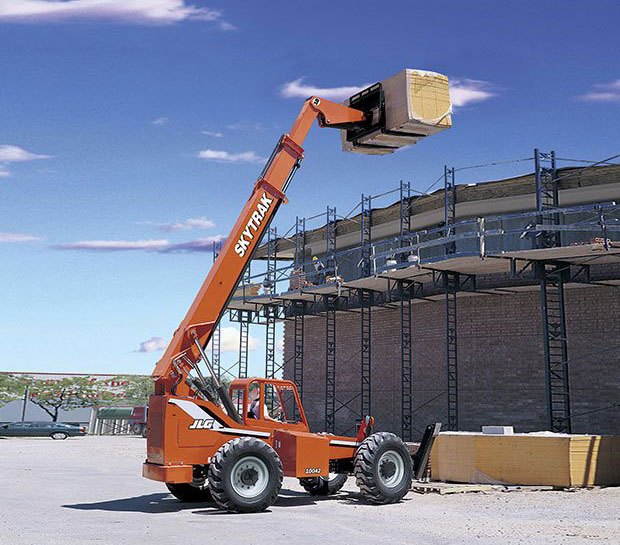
89,491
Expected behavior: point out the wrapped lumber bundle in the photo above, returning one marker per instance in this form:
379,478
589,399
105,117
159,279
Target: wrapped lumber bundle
544,459
411,105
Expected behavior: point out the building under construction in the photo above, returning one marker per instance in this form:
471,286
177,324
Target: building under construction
475,304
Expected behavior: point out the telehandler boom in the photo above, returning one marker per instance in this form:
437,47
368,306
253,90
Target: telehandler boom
204,445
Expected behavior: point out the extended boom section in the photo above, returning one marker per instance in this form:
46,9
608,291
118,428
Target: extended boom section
269,192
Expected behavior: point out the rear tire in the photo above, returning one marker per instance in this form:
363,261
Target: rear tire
245,475
324,486
383,468
190,493
59,435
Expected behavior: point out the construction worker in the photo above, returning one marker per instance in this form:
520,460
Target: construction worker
319,267
254,408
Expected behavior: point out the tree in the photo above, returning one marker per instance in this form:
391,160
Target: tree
131,389
65,394
10,388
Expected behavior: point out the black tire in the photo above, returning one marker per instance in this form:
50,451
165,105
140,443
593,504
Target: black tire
59,435
245,475
190,493
383,468
324,486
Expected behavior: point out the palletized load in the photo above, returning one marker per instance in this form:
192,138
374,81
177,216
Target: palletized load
401,110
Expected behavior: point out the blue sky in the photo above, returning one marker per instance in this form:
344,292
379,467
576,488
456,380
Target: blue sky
130,127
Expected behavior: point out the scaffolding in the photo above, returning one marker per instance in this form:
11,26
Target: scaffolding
216,338
549,246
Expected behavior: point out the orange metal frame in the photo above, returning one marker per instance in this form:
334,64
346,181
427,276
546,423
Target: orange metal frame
177,439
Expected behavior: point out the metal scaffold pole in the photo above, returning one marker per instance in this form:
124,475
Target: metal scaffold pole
451,287
331,303
449,207
299,308
215,339
330,363
406,363
244,335
366,302
404,216
245,317
271,367
552,276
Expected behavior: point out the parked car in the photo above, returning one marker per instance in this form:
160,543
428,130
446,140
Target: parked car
55,430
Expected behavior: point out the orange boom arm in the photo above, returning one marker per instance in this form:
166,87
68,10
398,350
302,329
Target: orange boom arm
269,192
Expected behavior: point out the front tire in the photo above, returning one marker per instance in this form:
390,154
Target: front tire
383,468
324,486
190,493
245,475
59,435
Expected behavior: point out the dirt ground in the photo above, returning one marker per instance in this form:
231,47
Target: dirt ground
89,491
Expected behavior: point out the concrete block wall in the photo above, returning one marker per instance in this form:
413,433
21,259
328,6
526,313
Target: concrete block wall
501,368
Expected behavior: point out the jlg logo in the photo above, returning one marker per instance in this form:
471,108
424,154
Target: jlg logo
313,470
202,424
247,236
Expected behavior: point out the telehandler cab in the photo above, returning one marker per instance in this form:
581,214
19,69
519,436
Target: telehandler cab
207,442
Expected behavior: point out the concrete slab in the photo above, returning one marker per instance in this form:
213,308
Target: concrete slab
88,491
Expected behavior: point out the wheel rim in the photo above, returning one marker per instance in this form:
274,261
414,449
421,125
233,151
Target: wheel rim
391,468
58,435
249,477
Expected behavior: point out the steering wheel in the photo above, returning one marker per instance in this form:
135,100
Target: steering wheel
277,413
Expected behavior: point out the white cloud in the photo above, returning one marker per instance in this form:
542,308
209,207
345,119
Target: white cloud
229,340
467,91
158,12
161,246
227,157
245,126
15,154
4,173
603,92
154,344
160,120
198,245
462,91
17,237
115,245
298,89
215,134
191,223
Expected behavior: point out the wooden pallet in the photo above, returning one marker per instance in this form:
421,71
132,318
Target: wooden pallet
451,488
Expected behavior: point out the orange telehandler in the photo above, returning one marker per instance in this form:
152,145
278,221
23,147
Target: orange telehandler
205,446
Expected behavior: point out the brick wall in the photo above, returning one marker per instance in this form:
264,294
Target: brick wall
501,368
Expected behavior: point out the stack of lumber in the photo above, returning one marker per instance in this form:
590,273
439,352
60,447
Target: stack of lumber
545,459
247,290
417,104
